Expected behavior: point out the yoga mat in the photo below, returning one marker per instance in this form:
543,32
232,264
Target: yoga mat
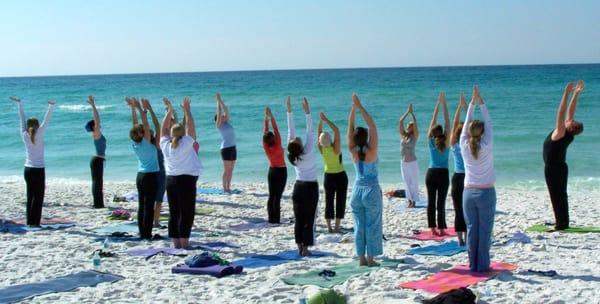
61,284
543,228
149,252
49,227
267,260
456,277
444,249
216,191
218,271
428,236
214,246
12,228
252,224
342,273
46,221
204,210
131,228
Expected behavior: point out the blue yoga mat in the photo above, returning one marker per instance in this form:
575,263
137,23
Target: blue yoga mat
444,249
267,260
18,228
131,228
216,191
61,284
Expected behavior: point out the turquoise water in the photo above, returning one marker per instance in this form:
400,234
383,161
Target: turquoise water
522,101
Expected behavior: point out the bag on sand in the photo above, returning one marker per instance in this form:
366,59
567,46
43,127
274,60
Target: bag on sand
327,296
455,296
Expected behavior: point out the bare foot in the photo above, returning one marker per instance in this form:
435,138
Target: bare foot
362,261
434,231
443,232
371,262
305,251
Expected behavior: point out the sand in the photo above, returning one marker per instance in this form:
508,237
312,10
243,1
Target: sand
42,255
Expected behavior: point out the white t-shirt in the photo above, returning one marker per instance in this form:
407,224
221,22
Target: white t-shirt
182,160
480,171
34,151
306,166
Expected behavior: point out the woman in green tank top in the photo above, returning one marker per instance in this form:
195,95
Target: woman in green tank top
335,180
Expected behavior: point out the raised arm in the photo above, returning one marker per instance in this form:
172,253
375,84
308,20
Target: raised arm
148,107
464,134
92,101
350,132
433,122
219,111
21,111
146,126
336,134
559,131
401,121
320,129
131,102
266,123
290,120
415,124
275,129
373,137
167,103
446,120
47,116
573,104
456,122
310,136
190,127
166,124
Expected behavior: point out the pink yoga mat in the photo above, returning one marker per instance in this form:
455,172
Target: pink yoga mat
428,236
456,277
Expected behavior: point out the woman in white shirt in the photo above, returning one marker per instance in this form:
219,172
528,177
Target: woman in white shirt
306,189
479,196
183,168
32,133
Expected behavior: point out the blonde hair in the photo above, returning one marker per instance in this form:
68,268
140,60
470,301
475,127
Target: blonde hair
325,139
32,125
177,131
476,129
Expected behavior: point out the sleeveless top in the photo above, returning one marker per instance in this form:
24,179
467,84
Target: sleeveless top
366,173
408,149
332,161
555,152
227,135
100,145
437,159
459,164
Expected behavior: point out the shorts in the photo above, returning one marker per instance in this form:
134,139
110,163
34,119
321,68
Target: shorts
229,153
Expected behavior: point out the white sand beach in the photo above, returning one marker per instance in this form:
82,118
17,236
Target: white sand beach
42,255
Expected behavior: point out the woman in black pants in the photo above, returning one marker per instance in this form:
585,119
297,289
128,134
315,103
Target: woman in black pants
32,134
306,189
458,178
183,168
147,176
556,170
277,175
436,179
336,179
97,162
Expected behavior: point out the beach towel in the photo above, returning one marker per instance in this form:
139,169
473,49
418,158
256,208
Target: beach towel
150,252
204,210
544,228
61,284
216,191
49,227
428,236
218,271
130,228
8,227
18,225
342,273
267,260
444,249
46,221
456,277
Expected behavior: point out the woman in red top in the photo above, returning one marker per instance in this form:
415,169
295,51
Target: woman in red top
277,176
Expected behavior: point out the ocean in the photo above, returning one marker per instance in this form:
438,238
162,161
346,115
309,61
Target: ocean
522,101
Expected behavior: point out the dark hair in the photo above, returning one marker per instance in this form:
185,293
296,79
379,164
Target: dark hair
32,125
361,136
576,128
458,130
269,139
134,133
295,150
440,137
90,125
215,117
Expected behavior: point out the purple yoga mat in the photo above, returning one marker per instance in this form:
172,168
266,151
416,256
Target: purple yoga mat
218,271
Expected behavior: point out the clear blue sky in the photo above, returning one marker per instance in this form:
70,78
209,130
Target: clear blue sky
62,37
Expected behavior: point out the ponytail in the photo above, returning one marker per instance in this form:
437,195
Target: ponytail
474,146
361,139
175,142
361,152
177,132
31,131
295,150
476,129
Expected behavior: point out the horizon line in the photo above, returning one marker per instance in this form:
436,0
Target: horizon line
296,69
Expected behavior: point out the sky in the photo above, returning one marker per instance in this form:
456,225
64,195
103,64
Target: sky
75,37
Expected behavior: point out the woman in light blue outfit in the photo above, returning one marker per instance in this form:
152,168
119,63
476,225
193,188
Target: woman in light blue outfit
458,178
366,198
479,196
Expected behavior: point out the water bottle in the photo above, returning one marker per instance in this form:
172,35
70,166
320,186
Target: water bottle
96,260
106,243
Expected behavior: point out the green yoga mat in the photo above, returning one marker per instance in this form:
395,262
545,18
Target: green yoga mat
544,228
204,210
342,273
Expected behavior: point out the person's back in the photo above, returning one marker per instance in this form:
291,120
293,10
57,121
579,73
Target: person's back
366,173
181,160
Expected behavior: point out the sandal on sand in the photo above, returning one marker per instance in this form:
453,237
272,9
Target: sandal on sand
548,273
327,274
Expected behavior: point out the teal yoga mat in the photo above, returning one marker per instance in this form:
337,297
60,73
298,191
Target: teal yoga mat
342,273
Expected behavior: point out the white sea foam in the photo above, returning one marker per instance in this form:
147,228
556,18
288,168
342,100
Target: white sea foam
83,107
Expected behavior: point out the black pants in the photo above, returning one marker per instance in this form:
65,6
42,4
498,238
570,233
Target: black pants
35,179
146,186
556,180
305,199
277,178
181,192
336,187
97,168
458,185
437,182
